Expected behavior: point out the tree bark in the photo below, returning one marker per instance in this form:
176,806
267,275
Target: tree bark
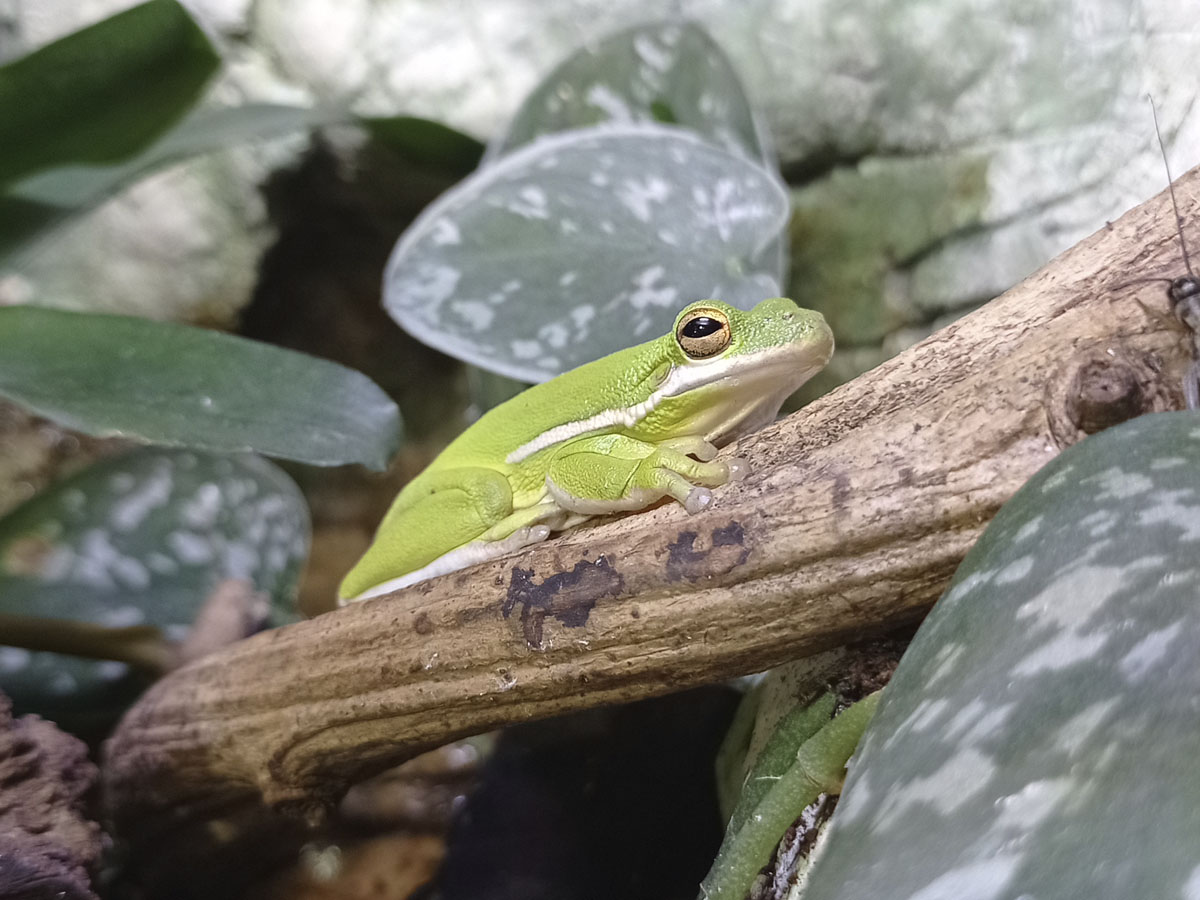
857,510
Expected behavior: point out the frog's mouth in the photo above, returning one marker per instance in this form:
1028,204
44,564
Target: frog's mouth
739,402
788,365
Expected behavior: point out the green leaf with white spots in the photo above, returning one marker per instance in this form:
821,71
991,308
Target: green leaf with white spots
1039,738
178,385
582,244
671,73
140,539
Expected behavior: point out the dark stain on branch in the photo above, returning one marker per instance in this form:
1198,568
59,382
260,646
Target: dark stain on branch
567,596
726,551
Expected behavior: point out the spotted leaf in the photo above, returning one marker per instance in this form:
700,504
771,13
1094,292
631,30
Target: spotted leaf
666,72
140,540
584,243
1039,737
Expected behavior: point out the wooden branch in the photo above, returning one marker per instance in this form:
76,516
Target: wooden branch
858,510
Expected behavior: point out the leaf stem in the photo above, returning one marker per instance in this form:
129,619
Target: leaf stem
141,646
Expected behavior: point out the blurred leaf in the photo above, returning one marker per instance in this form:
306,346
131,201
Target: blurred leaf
426,143
1039,737
669,73
582,244
804,760
203,131
20,220
45,199
177,385
102,93
140,540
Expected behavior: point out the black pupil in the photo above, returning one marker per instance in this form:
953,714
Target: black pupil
701,326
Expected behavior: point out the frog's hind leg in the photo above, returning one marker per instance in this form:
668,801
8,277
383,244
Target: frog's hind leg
515,532
464,556
464,518
432,517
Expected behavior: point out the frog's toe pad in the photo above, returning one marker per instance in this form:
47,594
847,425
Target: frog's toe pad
536,533
739,468
698,500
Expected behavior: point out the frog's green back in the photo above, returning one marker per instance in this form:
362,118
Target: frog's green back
611,382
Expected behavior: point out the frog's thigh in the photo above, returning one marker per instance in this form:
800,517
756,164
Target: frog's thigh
455,507
612,472
547,513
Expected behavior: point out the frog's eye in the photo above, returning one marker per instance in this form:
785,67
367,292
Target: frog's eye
703,332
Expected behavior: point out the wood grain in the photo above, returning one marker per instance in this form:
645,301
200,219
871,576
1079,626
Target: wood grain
858,510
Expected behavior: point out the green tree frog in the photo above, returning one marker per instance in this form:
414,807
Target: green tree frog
616,434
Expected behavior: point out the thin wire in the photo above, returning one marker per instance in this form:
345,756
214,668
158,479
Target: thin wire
1187,262
1191,379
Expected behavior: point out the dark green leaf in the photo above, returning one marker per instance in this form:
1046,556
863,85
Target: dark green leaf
671,73
141,540
427,143
1039,738
20,220
524,268
177,385
102,93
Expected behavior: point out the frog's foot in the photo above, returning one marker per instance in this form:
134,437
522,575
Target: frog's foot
691,445
695,498
614,473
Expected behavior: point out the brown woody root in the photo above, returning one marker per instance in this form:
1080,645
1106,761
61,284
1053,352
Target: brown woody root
858,510
48,848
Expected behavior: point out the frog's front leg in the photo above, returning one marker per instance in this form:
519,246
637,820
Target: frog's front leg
613,472
446,520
